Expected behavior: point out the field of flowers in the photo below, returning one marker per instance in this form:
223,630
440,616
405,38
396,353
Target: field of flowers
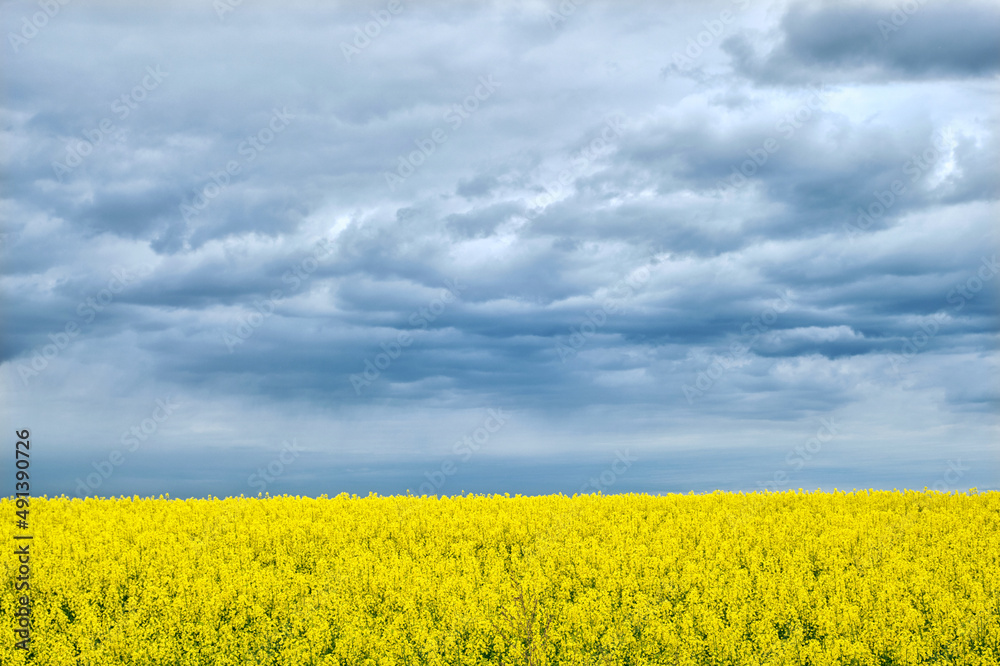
872,578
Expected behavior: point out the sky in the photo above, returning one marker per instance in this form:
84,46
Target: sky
515,247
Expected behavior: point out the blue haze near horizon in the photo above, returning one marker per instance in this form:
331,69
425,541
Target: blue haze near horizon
500,247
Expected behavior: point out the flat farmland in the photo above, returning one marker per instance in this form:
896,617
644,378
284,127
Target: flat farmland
866,578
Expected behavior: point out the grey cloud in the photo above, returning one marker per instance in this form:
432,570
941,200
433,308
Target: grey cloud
539,221
910,40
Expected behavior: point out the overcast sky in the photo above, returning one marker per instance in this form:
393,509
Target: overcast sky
514,247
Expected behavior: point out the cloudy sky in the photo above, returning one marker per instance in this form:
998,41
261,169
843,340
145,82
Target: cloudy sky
513,247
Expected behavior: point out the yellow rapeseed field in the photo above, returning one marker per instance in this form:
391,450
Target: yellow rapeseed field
866,578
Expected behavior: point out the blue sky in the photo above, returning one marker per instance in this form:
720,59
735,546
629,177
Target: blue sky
522,247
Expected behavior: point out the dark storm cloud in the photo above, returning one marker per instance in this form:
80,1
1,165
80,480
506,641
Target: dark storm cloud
906,40
588,234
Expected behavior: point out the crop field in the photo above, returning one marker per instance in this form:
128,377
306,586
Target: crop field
866,578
